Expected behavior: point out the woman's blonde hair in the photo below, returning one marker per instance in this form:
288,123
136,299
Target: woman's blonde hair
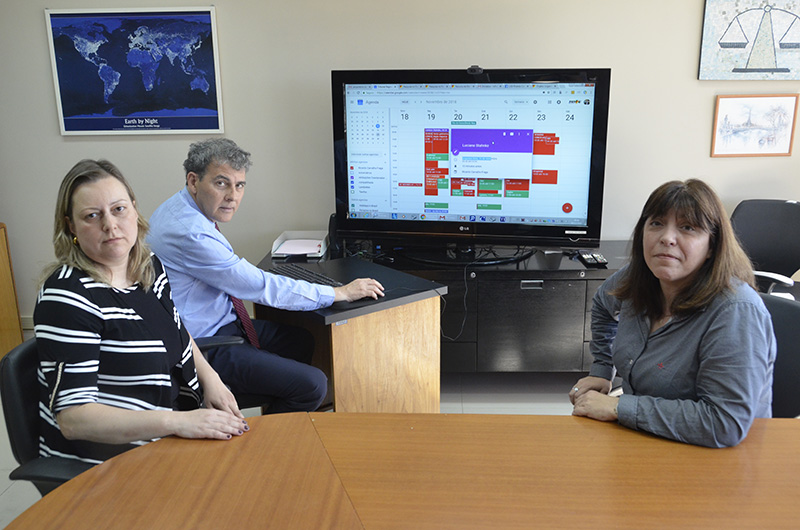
140,266
694,201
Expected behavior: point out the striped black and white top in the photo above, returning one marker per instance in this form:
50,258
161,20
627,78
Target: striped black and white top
125,348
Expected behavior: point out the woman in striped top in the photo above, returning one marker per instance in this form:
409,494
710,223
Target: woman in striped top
117,368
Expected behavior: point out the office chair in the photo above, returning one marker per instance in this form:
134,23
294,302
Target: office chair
785,318
19,390
769,231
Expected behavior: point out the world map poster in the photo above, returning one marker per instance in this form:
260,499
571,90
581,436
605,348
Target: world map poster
136,71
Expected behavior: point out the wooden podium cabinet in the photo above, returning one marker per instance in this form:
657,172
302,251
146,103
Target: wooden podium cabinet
532,316
379,355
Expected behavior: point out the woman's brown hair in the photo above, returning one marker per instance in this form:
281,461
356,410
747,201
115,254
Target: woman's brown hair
696,203
140,267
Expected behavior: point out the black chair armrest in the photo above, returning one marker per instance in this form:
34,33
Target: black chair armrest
206,343
245,401
55,470
767,281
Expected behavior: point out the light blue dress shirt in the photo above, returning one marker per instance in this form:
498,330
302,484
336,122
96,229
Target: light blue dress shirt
204,270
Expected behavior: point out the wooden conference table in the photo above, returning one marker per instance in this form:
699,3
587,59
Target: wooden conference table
341,470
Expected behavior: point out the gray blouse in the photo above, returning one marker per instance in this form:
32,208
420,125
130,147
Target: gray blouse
699,379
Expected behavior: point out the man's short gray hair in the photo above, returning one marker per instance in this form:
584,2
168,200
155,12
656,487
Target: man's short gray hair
219,150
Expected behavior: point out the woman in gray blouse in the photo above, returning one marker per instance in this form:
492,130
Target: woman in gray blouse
683,327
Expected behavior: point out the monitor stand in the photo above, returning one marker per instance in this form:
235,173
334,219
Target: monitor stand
460,255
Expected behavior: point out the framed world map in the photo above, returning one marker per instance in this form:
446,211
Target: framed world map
136,71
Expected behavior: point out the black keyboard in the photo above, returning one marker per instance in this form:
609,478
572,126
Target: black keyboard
296,272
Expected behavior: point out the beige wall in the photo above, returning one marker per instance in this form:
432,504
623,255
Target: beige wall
275,62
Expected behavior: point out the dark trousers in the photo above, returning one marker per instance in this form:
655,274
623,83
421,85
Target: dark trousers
280,369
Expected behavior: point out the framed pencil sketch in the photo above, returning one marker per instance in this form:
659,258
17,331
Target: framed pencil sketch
750,40
135,71
754,125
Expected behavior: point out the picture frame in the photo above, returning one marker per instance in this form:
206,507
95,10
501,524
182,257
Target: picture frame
754,125
136,71
749,40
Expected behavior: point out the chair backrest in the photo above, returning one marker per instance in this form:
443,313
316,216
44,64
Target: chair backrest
769,231
786,323
19,390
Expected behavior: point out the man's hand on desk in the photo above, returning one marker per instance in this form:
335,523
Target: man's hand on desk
358,289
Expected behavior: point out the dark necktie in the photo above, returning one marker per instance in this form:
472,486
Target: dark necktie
244,317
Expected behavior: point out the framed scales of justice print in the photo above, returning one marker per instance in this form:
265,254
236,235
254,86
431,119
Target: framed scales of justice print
750,40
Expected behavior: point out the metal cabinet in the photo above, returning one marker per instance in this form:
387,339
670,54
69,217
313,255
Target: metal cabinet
519,318
531,325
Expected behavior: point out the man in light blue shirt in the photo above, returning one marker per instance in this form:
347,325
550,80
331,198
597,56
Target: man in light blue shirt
205,273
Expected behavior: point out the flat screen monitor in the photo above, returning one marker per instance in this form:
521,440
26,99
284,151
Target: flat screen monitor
426,158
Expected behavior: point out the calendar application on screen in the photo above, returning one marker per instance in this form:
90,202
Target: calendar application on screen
470,152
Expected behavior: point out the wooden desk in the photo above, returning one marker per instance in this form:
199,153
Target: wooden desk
498,471
337,470
278,475
380,356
